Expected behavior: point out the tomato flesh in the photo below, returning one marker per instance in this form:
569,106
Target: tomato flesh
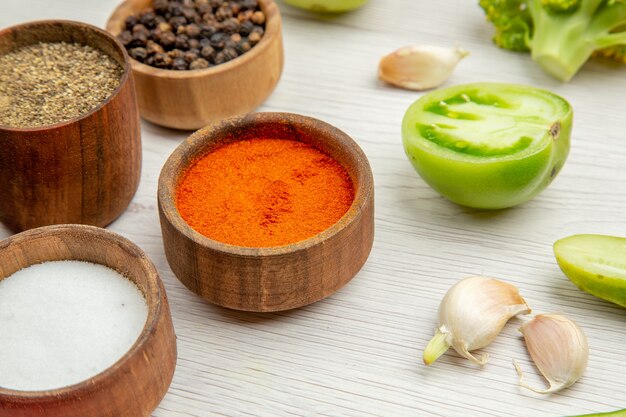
488,145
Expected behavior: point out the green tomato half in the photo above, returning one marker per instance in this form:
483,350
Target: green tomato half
488,145
327,6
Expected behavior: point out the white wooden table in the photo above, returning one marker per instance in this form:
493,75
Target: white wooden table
358,353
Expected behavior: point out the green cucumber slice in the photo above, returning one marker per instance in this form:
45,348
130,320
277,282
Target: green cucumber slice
596,264
488,145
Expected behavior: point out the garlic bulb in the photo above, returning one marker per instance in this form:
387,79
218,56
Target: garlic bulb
419,67
559,349
471,315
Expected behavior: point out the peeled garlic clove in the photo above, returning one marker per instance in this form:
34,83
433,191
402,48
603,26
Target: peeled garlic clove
559,349
471,315
419,67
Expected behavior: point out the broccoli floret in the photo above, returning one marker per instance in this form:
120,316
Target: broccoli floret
558,6
561,35
512,21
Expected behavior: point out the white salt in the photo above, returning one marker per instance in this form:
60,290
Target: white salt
63,322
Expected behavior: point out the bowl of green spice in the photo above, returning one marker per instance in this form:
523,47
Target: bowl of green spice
69,126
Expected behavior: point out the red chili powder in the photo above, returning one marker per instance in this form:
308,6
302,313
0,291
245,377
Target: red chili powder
264,192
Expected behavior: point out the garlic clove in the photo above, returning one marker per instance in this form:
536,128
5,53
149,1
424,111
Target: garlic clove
559,349
471,315
419,67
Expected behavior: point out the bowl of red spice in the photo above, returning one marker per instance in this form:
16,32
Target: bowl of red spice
199,61
69,126
267,211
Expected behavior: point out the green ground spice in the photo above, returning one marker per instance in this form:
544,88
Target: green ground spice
48,83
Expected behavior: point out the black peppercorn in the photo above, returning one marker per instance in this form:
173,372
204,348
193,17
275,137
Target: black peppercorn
154,48
175,9
223,13
139,39
243,47
138,53
199,64
131,21
167,39
259,30
209,18
160,6
190,56
179,64
125,37
230,54
207,52
219,58
250,4
148,19
164,27
207,30
194,44
246,27
190,13
218,40
182,42
139,27
245,15
178,21
162,60
258,17
193,30
203,7
254,38
176,53
230,25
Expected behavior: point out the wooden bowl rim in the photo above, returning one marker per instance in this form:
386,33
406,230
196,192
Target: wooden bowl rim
84,26
272,29
168,179
153,298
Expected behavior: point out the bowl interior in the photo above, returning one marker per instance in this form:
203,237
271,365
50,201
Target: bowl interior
84,243
81,243
117,21
60,31
286,126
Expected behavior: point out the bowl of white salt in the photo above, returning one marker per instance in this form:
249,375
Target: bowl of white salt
85,326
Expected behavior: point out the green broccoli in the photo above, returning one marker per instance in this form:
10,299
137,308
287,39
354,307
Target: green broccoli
561,35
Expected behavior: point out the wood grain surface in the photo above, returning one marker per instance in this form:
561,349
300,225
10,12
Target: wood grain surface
192,99
358,353
84,170
135,384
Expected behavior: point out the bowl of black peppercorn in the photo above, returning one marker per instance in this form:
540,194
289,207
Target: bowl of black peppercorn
199,61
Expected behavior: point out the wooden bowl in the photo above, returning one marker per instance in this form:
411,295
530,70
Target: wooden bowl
84,170
275,278
192,99
136,383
